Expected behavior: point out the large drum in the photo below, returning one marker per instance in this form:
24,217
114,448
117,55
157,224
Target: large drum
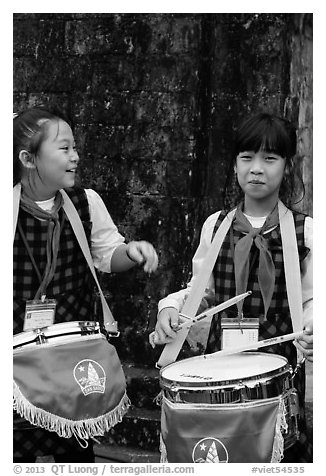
240,408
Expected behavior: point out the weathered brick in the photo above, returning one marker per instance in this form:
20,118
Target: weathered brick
145,141
175,34
59,75
133,34
26,100
125,108
37,37
159,74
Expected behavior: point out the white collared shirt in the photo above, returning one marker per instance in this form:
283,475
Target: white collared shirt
178,298
105,237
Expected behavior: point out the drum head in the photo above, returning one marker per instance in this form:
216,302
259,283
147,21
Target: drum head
206,370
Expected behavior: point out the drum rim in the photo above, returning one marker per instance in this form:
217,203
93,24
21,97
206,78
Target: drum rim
71,327
167,383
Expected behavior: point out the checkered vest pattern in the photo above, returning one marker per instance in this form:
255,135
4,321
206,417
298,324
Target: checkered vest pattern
278,317
72,284
72,287
278,320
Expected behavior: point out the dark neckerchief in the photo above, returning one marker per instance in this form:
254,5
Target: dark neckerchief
266,267
53,235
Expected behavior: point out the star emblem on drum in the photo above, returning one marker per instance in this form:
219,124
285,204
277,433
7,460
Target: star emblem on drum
210,450
90,376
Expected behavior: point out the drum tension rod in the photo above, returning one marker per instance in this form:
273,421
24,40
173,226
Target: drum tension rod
40,337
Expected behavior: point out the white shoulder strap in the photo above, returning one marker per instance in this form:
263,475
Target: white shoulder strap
75,221
172,349
17,192
109,323
291,267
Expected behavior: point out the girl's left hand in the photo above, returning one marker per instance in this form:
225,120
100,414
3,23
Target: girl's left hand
305,342
142,252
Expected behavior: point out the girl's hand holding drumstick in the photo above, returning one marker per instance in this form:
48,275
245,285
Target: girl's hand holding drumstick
305,341
169,320
167,324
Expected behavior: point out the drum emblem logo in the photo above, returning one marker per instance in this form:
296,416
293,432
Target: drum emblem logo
209,450
90,376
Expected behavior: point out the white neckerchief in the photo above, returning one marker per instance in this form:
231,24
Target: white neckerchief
46,205
255,222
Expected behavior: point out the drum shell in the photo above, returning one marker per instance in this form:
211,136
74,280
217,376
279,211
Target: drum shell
255,387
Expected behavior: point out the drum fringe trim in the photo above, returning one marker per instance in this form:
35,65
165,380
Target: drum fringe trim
281,424
164,455
158,399
82,430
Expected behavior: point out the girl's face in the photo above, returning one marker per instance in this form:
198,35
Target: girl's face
260,175
56,160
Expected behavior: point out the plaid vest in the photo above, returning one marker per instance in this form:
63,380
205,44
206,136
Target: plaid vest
278,317
72,284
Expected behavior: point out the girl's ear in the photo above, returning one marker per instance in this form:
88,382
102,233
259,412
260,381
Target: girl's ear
289,167
26,159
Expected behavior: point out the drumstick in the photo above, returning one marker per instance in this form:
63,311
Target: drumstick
255,345
212,310
204,314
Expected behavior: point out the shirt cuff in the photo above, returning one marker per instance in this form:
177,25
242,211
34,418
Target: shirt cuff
168,302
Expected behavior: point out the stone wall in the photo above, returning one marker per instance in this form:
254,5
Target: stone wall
154,99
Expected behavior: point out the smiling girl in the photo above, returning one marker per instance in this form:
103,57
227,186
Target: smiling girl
48,260
262,172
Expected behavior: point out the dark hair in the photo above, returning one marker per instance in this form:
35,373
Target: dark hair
29,131
270,133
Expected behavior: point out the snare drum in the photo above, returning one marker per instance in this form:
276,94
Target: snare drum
215,392
58,334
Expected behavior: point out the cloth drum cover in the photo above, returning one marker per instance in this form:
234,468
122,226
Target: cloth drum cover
69,381
235,409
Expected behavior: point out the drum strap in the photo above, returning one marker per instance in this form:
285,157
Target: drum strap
292,277
291,269
17,193
75,221
171,350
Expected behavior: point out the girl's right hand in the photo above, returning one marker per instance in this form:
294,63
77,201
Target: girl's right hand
165,330
143,253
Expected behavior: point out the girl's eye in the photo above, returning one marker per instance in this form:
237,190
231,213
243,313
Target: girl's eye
270,158
66,148
245,157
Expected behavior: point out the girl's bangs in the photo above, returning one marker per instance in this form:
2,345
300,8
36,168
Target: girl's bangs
269,136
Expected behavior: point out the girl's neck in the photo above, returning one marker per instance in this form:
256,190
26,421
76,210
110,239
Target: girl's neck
37,194
258,208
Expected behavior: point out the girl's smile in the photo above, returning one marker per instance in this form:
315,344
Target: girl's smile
56,162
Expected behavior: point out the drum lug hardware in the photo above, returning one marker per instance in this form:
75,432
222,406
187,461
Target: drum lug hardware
293,406
158,399
174,387
114,334
40,337
297,368
293,403
243,390
109,334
